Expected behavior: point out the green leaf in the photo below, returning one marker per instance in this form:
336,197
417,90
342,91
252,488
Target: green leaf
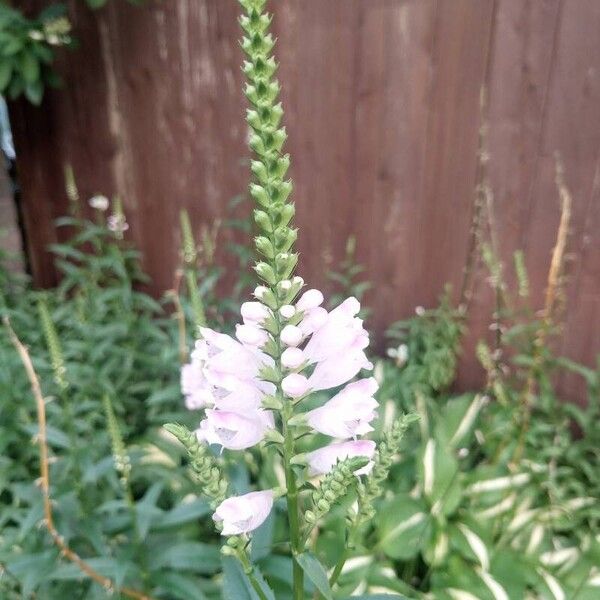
378,597
457,419
177,585
29,67
315,572
184,513
188,556
6,68
403,527
34,92
438,471
32,569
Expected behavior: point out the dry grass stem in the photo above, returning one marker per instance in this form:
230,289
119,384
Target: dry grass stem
65,550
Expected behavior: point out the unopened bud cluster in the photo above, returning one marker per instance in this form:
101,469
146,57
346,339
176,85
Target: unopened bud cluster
270,190
204,465
120,456
384,458
334,486
56,356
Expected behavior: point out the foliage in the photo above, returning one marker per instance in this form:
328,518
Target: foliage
468,513
493,495
27,50
107,355
28,46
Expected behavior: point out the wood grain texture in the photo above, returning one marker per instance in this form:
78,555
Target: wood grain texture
382,112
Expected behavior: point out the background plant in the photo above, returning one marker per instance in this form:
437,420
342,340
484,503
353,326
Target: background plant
28,48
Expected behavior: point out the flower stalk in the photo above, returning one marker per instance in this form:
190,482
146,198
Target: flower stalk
273,215
190,263
253,386
371,488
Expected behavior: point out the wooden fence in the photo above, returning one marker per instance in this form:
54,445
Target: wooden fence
382,109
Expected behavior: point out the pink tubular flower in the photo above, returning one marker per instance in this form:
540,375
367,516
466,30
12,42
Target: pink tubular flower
321,461
229,364
313,320
337,370
232,430
341,332
242,514
349,413
198,393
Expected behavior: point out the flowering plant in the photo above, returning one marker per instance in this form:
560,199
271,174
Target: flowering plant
253,386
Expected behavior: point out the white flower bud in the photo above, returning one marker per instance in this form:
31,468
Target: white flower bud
310,299
291,335
254,312
251,335
260,291
295,385
292,358
99,202
287,311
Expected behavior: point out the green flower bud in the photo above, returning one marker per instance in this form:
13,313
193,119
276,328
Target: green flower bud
310,517
260,195
284,215
262,220
256,142
285,238
228,551
285,263
279,138
386,450
275,119
212,482
334,486
259,169
264,246
266,272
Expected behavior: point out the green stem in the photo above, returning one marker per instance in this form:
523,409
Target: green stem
350,544
292,505
337,570
249,570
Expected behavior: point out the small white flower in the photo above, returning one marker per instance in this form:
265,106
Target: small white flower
260,291
117,223
251,335
287,311
295,385
291,335
310,299
254,312
292,358
99,202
